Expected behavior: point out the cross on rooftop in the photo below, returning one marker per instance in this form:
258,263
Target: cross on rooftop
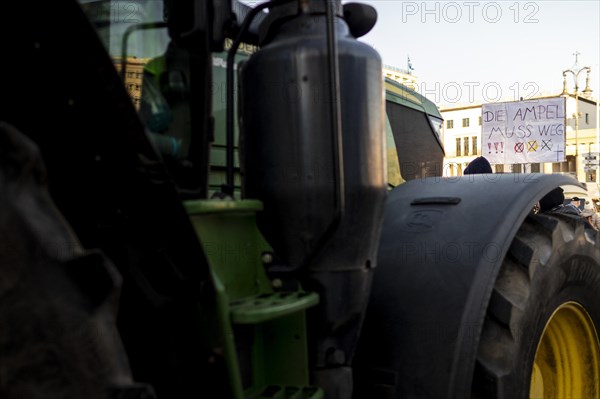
576,54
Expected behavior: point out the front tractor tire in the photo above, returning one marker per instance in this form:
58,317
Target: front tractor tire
540,335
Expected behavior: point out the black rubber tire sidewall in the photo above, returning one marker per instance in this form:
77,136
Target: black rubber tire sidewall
572,274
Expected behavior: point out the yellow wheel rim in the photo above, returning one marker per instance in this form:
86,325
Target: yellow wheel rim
567,360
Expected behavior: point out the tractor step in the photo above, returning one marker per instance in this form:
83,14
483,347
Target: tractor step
290,392
264,307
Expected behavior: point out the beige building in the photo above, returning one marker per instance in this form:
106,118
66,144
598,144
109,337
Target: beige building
134,75
402,76
462,142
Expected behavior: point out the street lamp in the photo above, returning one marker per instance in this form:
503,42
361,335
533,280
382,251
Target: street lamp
587,91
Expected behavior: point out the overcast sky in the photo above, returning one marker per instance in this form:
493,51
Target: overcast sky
475,51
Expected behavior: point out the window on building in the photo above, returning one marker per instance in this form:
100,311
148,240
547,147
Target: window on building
458,169
535,168
500,168
565,167
474,145
465,122
556,167
517,168
587,118
571,164
450,169
480,121
466,143
449,124
590,176
458,147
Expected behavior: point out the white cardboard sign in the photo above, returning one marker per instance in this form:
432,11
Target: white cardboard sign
524,132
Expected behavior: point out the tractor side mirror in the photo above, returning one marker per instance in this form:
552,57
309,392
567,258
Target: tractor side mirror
361,18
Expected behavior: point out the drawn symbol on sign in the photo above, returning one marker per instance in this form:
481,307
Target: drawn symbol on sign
547,145
489,148
519,147
532,146
558,152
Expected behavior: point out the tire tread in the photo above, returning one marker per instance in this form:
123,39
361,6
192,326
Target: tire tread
537,243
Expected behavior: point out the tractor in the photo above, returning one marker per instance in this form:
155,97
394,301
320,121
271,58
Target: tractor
205,199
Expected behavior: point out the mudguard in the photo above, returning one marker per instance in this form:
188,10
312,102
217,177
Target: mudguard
442,245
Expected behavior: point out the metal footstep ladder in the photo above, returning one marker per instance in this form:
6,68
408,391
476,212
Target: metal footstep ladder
254,328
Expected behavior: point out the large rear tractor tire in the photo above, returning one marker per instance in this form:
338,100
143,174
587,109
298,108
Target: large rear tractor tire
58,301
540,335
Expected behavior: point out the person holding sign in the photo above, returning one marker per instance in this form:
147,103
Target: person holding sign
478,165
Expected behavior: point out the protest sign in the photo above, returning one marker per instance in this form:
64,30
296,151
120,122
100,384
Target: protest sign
524,131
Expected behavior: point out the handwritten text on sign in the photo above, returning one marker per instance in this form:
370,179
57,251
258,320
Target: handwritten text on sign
524,132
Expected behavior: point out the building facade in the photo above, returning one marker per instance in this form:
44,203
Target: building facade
402,76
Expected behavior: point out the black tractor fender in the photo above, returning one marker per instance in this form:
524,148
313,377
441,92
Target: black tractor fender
443,242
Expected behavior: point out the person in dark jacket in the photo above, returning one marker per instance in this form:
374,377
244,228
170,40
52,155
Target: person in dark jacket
478,165
574,205
554,202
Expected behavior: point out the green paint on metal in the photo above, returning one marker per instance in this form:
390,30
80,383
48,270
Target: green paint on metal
227,339
233,246
393,168
219,96
278,342
218,206
218,157
290,392
402,95
232,243
270,326
264,307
